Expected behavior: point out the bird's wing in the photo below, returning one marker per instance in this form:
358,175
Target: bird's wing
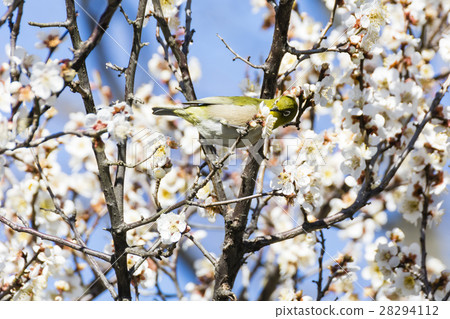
231,111
224,100
225,111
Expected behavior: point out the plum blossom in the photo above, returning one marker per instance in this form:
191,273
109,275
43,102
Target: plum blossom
287,180
119,128
387,257
49,40
355,159
46,79
5,97
264,118
444,47
206,194
406,283
169,7
170,227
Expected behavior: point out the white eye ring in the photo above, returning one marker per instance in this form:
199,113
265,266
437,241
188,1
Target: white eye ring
286,113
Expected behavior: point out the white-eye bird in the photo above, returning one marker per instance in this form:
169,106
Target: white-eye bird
222,119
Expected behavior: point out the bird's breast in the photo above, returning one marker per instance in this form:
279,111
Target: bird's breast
218,134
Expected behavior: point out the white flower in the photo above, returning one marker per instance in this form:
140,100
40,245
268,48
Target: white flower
287,294
444,47
172,183
190,141
286,179
49,40
62,285
264,118
369,19
159,67
195,69
170,227
387,258
5,97
355,159
204,268
396,234
46,79
406,283
426,71
119,128
268,127
169,7
309,198
8,2
411,208
256,5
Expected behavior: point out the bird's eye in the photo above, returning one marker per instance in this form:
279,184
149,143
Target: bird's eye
286,113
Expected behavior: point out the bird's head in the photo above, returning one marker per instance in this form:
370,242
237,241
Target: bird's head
284,110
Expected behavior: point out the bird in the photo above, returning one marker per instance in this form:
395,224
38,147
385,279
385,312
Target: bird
221,120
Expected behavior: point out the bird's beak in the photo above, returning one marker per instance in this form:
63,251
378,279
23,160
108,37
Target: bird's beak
274,109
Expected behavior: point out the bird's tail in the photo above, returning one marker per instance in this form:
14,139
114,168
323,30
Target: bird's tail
165,110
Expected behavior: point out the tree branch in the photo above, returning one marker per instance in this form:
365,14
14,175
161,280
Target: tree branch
115,215
363,195
57,240
238,57
186,84
10,10
84,48
236,220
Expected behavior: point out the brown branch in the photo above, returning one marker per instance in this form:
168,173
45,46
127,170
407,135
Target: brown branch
236,200
423,228
115,215
186,83
278,48
189,33
42,140
63,24
10,10
320,292
363,195
96,288
328,26
238,57
236,220
84,48
15,74
130,74
202,249
57,240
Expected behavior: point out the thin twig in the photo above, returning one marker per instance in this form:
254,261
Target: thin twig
328,26
236,200
238,57
47,138
55,239
320,292
10,10
63,24
423,228
189,33
202,249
